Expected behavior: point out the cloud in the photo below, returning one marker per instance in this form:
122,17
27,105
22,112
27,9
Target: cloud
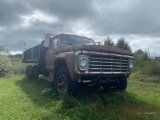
66,10
136,20
10,11
127,17
37,16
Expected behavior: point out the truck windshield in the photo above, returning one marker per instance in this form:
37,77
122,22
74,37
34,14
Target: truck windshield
74,40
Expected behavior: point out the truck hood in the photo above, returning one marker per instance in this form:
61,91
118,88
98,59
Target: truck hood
97,48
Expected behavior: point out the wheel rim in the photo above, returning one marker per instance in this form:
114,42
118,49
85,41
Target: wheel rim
62,84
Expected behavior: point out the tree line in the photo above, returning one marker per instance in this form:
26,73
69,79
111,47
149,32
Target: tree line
121,43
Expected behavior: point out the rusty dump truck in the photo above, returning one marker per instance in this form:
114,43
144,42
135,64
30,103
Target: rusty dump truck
69,60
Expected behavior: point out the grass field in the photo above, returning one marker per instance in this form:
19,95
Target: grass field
23,100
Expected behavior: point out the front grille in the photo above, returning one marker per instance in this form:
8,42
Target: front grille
108,64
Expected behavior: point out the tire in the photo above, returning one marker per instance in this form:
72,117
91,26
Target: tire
35,72
63,83
122,83
106,87
29,72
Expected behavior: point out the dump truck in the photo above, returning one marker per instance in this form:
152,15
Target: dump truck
70,60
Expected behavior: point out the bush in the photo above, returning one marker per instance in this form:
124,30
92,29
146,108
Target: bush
153,68
18,68
147,70
11,66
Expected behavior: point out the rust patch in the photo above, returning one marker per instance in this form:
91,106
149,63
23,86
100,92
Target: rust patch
102,48
97,48
63,49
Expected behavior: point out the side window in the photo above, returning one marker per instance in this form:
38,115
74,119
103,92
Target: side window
55,42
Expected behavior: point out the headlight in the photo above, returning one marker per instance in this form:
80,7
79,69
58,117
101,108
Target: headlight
131,65
83,62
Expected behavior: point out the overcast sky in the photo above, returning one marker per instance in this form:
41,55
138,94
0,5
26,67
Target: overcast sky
136,20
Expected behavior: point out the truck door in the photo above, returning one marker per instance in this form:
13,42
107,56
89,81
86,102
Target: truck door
51,54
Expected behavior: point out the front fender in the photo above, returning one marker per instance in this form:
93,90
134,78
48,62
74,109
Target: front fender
69,59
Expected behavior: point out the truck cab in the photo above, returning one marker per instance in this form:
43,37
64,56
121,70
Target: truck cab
68,60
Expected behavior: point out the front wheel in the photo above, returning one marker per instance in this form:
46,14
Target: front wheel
64,84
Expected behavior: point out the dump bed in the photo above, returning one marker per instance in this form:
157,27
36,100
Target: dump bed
31,55
35,55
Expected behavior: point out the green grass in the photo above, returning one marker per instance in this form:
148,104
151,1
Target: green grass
23,100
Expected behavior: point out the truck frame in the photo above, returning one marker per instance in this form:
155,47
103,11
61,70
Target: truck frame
67,60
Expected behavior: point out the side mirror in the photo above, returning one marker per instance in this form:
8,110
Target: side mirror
42,43
46,41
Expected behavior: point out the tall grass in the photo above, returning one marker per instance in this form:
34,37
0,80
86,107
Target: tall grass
147,68
153,68
34,100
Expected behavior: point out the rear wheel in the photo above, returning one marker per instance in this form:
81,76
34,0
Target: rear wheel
35,72
63,83
29,72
